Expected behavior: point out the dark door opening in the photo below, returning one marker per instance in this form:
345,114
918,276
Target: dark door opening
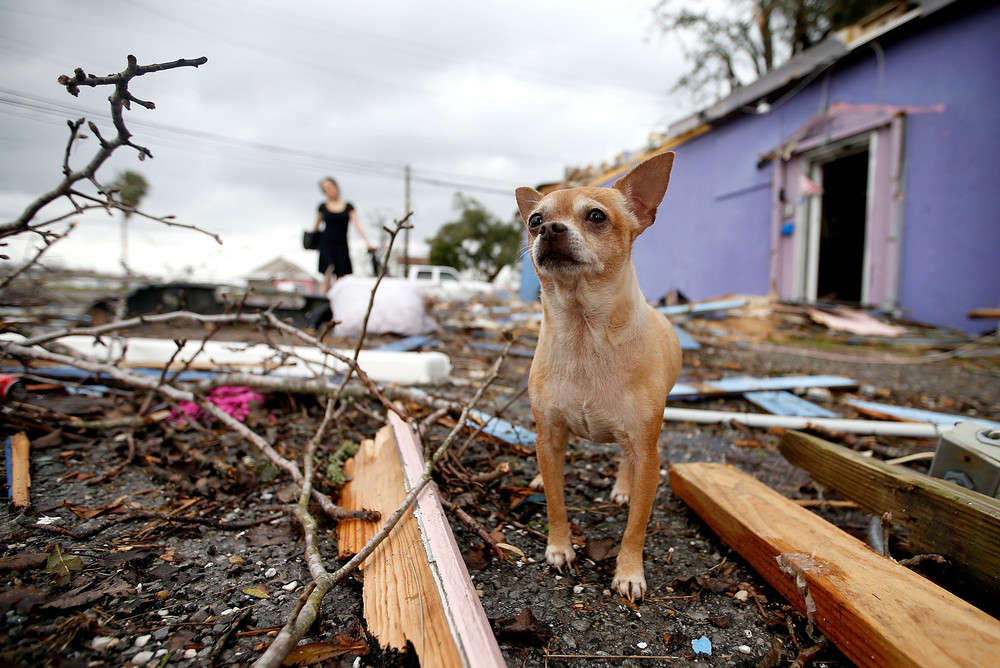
840,271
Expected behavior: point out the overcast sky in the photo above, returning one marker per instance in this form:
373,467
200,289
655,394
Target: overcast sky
477,97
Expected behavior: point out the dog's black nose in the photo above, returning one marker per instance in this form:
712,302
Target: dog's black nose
552,229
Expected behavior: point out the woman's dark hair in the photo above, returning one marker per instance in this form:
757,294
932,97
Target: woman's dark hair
331,180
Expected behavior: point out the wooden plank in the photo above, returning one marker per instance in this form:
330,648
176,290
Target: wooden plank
409,343
465,613
780,402
985,313
703,307
18,469
877,612
499,348
740,385
502,429
942,517
494,426
400,597
907,414
765,421
687,341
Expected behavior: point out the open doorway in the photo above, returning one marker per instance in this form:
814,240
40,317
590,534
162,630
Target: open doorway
837,207
840,270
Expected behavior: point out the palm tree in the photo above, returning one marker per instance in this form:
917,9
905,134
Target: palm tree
132,187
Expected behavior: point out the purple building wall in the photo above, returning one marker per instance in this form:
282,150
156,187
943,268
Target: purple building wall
712,235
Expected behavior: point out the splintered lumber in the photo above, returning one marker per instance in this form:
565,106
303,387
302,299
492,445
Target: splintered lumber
877,612
416,585
942,518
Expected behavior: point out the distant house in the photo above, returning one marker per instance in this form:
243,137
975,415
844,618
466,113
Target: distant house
864,170
283,275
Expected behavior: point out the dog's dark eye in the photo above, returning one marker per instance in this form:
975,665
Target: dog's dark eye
597,216
535,220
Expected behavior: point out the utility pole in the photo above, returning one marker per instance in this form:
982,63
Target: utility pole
406,232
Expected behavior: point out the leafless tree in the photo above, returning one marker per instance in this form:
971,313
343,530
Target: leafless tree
72,187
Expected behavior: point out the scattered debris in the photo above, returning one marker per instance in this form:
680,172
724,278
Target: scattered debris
105,448
398,307
523,629
970,538
849,320
704,307
877,612
289,361
17,450
786,403
402,600
912,430
702,645
906,414
728,386
234,401
969,455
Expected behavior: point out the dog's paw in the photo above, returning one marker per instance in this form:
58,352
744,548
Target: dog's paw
631,585
560,556
619,495
536,483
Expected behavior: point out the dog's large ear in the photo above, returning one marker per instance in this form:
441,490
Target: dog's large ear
527,198
645,186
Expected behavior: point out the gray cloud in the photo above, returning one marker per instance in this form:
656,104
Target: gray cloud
477,97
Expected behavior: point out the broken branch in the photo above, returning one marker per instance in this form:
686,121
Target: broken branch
299,623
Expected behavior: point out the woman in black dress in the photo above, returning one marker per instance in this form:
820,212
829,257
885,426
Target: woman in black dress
334,214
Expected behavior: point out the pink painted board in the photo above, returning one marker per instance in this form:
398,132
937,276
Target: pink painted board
465,613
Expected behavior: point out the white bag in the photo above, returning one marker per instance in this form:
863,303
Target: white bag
399,307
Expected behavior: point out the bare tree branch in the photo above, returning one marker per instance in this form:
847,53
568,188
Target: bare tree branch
121,100
304,615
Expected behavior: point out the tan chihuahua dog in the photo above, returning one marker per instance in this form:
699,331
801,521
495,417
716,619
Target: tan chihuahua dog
605,359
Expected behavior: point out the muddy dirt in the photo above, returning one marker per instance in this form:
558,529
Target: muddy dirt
173,548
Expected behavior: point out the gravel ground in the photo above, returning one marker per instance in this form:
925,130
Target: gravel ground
150,588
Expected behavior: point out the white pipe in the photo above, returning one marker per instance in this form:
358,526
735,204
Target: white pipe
907,429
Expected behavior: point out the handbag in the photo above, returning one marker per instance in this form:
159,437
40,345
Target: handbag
310,240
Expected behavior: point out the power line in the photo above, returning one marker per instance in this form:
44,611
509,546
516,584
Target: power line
186,137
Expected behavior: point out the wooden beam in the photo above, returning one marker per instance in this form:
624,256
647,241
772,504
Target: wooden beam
416,585
19,469
400,597
942,517
730,386
780,402
877,612
465,612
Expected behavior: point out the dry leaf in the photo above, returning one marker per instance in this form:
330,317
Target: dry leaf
510,548
257,591
524,629
316,652
62,564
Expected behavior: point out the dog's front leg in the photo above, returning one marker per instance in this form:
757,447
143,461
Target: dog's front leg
550,449
644,457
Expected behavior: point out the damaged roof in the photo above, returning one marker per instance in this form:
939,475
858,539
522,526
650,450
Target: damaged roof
809,64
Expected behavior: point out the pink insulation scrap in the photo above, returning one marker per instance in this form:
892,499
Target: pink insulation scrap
233,399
